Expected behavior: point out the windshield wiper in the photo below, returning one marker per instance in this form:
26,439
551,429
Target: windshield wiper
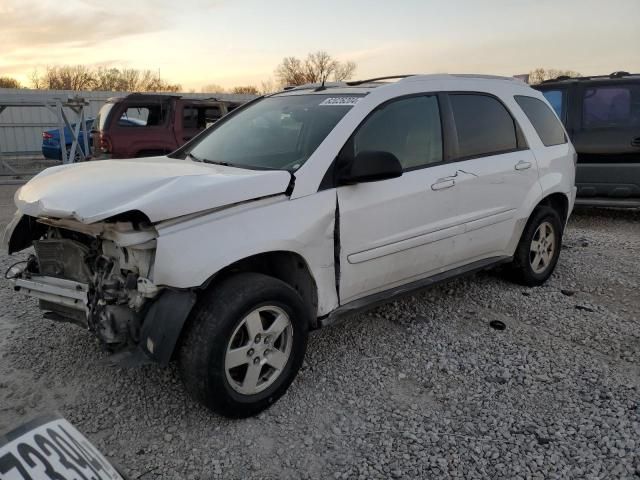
216,162
206,160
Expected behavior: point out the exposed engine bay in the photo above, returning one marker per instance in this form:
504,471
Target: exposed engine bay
95,275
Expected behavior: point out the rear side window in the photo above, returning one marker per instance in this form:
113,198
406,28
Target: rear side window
543,120
556,100
200,117
484,126
144,116
611,106
409,128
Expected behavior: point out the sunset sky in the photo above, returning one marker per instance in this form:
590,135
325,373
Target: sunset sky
240,42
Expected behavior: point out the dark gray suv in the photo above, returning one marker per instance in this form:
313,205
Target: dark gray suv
602,116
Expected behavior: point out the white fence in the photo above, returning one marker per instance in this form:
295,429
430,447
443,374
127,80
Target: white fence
21,127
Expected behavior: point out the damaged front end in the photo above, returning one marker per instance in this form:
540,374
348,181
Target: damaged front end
97,275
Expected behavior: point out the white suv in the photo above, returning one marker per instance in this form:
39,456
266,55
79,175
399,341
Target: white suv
295,209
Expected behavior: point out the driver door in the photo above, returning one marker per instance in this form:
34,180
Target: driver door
398,230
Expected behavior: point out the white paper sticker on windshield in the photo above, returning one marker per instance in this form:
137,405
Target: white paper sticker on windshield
340,101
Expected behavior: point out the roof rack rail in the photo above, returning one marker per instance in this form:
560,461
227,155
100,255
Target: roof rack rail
619,74
369,80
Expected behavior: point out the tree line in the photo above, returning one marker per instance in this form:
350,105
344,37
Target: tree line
317,67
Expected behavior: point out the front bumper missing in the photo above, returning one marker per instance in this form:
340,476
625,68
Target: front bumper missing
67,293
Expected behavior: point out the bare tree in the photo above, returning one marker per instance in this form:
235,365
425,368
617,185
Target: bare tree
539,75
79,77
318,67
245,90
268,86
344,71
291,71
212,88
9,82
109,80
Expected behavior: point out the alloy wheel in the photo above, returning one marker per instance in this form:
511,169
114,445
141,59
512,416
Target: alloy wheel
259,350
543,247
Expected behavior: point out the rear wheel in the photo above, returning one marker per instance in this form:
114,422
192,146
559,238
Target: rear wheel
244,344
77,157
539,248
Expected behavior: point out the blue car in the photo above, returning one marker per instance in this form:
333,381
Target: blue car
51,139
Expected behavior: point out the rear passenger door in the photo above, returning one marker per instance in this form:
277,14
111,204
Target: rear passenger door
494,172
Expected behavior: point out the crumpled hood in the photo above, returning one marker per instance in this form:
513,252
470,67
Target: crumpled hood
160,187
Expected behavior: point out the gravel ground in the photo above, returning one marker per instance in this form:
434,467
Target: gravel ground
420,388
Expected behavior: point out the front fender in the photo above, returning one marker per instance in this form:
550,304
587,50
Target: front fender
190,252
20,233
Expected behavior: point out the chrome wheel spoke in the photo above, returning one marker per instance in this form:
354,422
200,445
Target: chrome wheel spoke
278,326
277,359
536,261
251,378
253,321
535,245
237,357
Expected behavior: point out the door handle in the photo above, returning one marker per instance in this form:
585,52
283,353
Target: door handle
522,165
443,183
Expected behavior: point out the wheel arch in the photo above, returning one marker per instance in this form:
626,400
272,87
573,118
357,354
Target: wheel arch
287,266
559,202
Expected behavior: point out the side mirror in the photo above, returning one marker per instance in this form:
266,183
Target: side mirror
370,166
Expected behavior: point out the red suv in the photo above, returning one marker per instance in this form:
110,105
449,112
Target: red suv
144,125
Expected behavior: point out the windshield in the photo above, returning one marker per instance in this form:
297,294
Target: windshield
274,133
103,114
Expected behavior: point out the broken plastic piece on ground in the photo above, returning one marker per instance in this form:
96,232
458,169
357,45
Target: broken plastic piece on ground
497,325
585,308
568,293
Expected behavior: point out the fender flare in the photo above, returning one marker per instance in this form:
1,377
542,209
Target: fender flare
164,322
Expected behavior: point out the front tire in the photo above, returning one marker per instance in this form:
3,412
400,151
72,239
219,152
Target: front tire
537,253
244,344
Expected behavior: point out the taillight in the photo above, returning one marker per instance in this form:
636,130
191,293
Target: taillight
105,144
46,136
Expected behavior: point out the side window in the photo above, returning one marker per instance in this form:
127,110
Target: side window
611,106
484,125
196,117
190,118
556,99
212,115
409,128
144,116
543,120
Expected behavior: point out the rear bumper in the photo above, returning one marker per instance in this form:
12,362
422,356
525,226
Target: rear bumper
608,180
52,152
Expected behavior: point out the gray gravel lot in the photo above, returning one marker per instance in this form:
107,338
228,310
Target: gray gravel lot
420,388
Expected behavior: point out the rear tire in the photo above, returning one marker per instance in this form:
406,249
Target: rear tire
537,253
77,157
244,344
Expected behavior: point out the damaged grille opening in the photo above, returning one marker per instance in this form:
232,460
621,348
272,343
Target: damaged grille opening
92,282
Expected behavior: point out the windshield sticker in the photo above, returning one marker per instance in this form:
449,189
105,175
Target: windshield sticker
340,101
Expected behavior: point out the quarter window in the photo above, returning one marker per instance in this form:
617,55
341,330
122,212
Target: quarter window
556,99
543,120
611,106
409,128
484,126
